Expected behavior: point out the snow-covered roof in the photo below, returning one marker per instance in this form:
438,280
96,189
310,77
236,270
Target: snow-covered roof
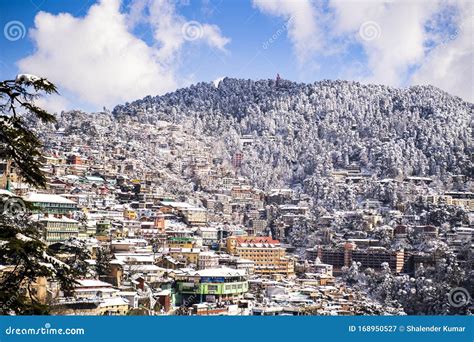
92,283
208,229
218,272
177,204
135,257
113,301
57,219
145,268
47,198
94,179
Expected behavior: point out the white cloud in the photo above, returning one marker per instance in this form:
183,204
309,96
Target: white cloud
449,66
303,29
171,30
393,36
398,29
54,103
99,61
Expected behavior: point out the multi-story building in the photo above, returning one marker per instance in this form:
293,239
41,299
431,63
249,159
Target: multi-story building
207,260
194,216
269,257
92,297
463,199
191,255
130,214
209,235
372,257
210,285
180,242
51,204
239,263
59,229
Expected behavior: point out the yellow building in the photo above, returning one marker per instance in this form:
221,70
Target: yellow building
460,199
59,229
269,257
190,254
193,216
130,214
181,242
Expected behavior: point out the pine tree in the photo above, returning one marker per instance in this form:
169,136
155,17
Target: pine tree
25,258
18,143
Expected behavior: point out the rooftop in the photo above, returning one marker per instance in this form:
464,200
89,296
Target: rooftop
256,239
92,283
46,198
218,272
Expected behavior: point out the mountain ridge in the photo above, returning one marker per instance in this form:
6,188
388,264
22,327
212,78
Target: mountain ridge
272,82
303,132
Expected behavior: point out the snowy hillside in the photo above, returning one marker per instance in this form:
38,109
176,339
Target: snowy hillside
304,131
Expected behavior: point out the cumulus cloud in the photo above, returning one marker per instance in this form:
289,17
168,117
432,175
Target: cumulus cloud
392,34
449,65
97,58
394,37
303,29
54,103
172,31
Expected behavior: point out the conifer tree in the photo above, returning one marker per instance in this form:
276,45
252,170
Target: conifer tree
25,258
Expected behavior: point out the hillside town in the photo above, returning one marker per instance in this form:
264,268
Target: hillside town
166,223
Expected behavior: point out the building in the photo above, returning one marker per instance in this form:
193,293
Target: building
130,214
51,204
207,260
372,257
58,229
210,285
181,242
209,235
193,216
92,297
293,209
266,253
191,255
74,159
237,159
238,263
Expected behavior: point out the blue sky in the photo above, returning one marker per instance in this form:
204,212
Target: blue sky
101,53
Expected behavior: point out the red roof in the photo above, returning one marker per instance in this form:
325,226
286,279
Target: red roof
256,239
